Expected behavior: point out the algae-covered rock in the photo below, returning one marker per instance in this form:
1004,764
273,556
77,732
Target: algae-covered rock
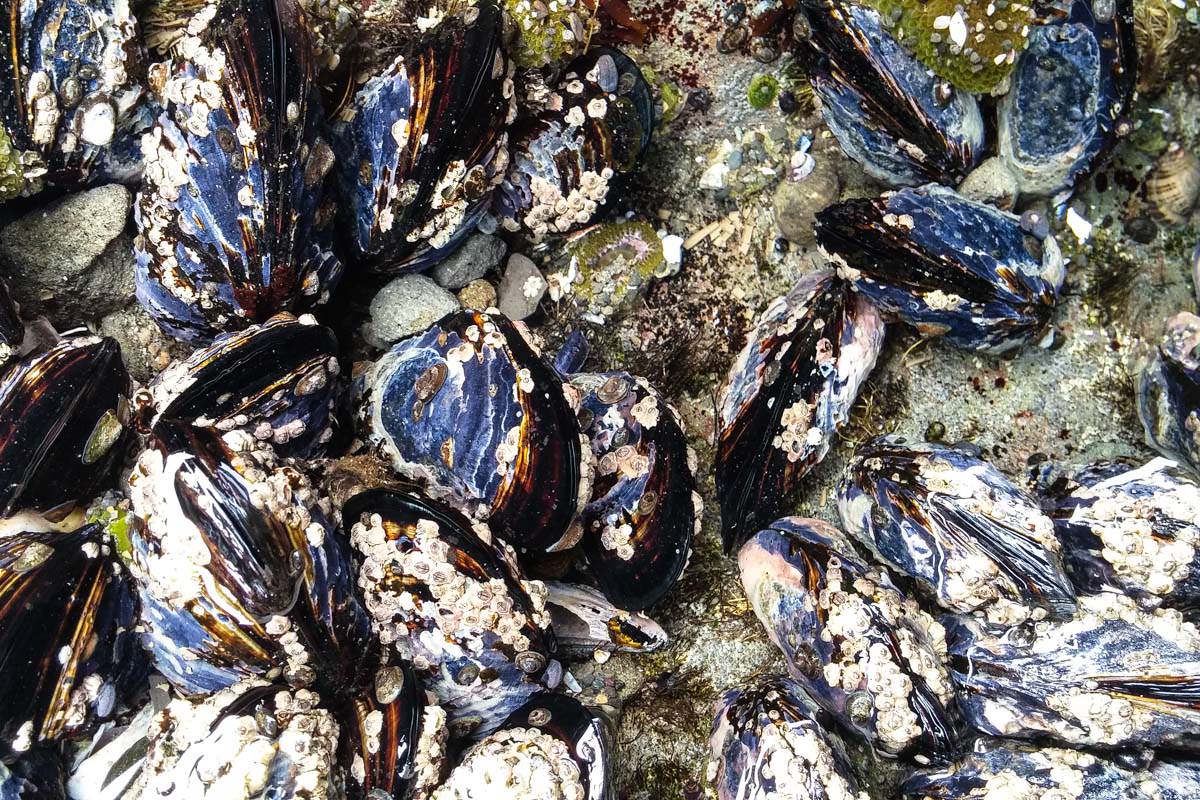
609,266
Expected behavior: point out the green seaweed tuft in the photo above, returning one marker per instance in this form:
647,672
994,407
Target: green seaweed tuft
763,90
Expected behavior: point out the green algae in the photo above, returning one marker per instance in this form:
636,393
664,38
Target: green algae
763,90
12,172
549,33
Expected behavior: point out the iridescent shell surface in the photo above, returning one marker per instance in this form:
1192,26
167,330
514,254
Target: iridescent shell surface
958,526
789,391
472,412
866,653
946,265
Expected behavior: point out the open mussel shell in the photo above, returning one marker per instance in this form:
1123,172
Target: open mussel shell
393,742
106,767
866,653
887,110
585,621
564,160
1168,392
232,219
254,740
451,601
788,393
1112,676
62,424
551,747
278,381
996,769
766,743
240,573
946,265
644,509
471,411
957,525
69,82
1070,90
1135,530
68,650
422,145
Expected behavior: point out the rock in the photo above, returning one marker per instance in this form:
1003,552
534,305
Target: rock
479,295
797,202
469,262
521,288
72,260
992,182
407,305
145,349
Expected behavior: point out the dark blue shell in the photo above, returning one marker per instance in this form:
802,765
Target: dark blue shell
786,571
1070,90
789,391
278,381
1175,778
958,526
644,510
421,146
1168,392
879,100
473,413
1069,773
232,227
1111,677
229,546
564,160
946,265
66,635
62,424
748,760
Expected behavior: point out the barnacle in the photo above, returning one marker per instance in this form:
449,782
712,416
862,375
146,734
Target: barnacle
12,173
549,33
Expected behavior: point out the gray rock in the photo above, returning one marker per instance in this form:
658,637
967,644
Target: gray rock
469,262
145,349
521,288
796,203
992,182
72,260
407,305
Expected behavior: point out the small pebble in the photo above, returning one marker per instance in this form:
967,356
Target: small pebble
407,305
992,182
470,262
796,203
479,295
521,288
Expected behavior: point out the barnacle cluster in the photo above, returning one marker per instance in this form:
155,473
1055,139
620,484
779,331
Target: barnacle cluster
553,31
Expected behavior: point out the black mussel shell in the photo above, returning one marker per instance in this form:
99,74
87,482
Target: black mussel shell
422,145
278,381
472,412
68,650
62,424
12,330
788,393
39,774
1168,392
232,215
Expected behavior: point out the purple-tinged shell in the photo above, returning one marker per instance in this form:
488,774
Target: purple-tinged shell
1135,530
767,744
1070,93
68,650
393,741
862,650
1112,676
564,160
551,747
644,508
1168,392
472,412
883,104
278,381
240,573
422,145
946,265
233,223
584,621
788,393
62,424
958,526
451,601
998,769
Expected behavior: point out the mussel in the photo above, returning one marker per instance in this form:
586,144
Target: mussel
233,222
958,526
788,393
584,621
866,653
1168,392
946,265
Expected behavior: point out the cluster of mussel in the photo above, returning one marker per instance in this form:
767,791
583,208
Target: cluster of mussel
1065,662
308,581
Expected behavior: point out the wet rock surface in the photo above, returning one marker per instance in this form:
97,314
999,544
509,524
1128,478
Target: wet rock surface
407,305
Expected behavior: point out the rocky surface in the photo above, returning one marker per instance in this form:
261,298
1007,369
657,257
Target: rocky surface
470,262
407,305
521,288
